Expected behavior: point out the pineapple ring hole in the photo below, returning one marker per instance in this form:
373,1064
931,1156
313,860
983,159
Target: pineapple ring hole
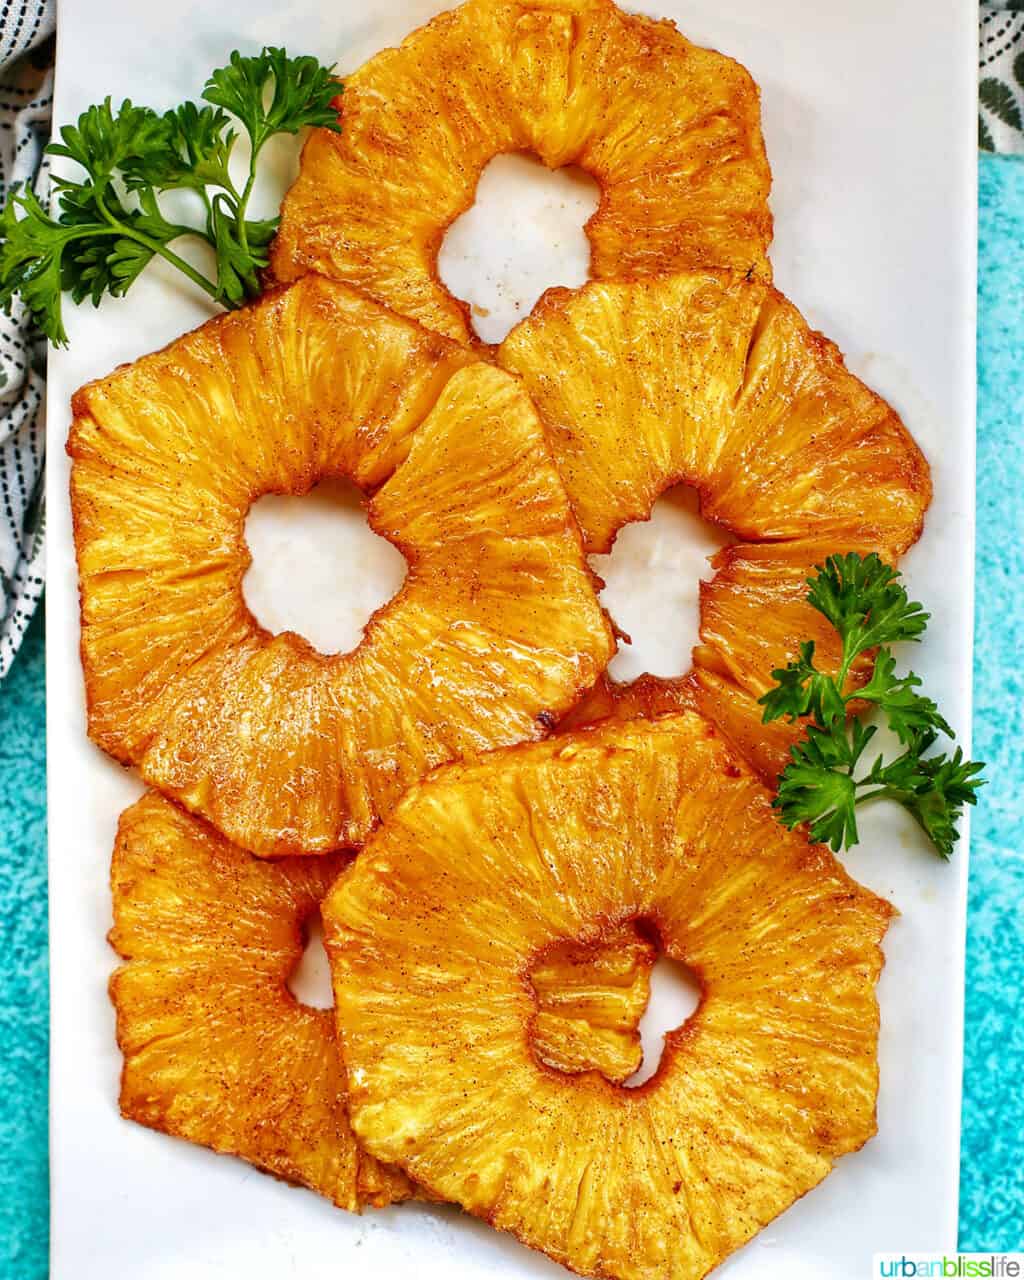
652,578
310,980
675,997
318,569
523,234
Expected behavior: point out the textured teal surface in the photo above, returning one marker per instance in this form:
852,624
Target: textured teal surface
24,999
992,1161
992,1173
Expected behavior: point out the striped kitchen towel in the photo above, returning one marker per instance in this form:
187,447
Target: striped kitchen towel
26,92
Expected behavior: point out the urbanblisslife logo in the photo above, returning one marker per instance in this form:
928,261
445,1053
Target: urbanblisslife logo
955,1266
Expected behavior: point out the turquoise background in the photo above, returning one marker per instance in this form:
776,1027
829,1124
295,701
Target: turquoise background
992,1166
992,1152
24,998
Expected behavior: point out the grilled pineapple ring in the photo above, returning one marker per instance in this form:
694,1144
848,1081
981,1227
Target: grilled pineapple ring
671,133
714,380
216,1048
432,937
495,632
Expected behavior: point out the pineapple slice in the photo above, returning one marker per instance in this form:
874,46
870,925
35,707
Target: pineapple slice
481,870
494,634
716,381
671,133
216,1048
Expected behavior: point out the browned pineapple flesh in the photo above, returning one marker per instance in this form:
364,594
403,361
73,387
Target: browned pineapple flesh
590,999
495,633
216,1048
765,747
716,381
481,871
671,133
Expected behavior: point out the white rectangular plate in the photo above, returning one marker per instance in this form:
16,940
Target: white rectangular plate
869,120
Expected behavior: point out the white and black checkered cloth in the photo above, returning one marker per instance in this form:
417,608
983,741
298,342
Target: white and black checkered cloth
26,92
26,85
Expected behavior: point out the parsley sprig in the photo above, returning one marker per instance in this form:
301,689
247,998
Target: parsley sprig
108,225
825,780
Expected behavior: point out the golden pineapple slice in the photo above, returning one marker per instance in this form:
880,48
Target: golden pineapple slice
494,634
710,379
589,1003
481,870
671,133
216,1048
716,381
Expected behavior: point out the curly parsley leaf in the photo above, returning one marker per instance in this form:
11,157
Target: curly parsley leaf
32,248
863,599
107,225
817,786
104,141
933,789
802,690
303,93
192,150
823,785
910,714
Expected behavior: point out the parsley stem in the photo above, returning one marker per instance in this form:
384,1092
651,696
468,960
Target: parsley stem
243,199
864,797
844,669
156,247
175,260
209,213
